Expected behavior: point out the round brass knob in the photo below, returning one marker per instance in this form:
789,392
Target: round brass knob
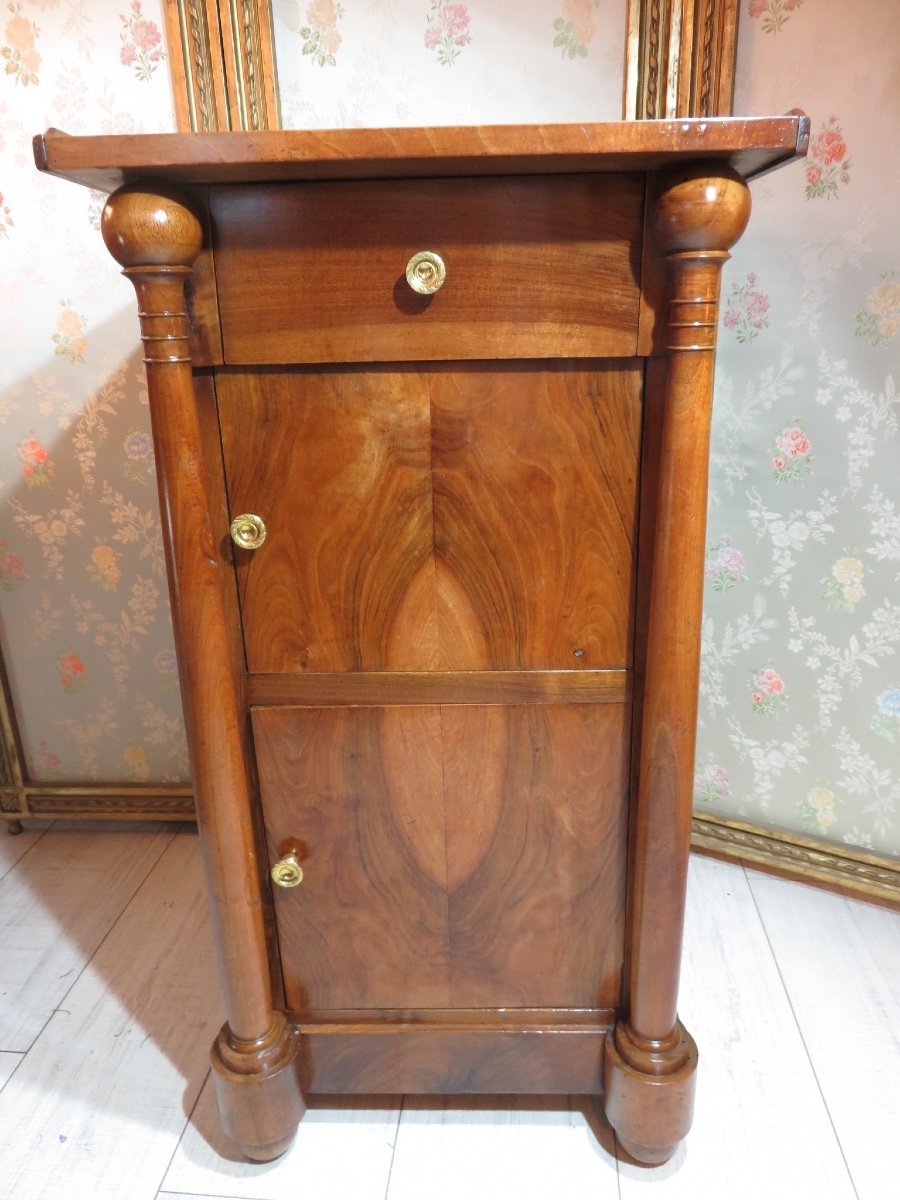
287,872
248,531
425,272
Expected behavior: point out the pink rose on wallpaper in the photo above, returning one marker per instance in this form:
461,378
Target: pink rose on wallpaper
447,30
710,780
146,35
71,672
724,564
746,309
793,442
12,569
141,43
769,681
791,459
767,694
829,147
827,162
36,465
773,12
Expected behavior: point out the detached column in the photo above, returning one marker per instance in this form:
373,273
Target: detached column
156,238
699,212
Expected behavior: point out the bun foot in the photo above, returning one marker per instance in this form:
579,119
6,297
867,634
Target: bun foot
646,1156
258,1089
649,1092
264,1154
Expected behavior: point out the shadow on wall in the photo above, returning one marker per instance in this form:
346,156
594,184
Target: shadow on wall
86,631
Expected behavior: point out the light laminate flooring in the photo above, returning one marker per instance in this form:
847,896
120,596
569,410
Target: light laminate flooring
109,1001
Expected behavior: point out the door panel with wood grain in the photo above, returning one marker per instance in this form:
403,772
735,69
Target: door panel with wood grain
458,519
455,856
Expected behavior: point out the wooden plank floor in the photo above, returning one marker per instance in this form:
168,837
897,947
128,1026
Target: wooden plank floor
108,1003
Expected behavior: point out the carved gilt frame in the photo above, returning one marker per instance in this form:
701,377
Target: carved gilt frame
679,62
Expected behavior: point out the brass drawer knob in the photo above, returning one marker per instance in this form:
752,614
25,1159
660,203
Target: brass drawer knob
287,872
425,272
248,531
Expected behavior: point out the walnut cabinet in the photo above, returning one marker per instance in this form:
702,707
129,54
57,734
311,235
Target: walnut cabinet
431,415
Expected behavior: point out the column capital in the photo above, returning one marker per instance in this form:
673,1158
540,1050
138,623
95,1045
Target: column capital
700,207
145,226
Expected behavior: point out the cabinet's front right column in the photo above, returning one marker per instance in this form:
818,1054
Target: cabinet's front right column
699,212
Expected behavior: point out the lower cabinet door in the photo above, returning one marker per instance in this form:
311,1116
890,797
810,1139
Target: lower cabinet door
454,856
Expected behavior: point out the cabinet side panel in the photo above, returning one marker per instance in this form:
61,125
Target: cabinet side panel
536,800
535,497
337,464
358,794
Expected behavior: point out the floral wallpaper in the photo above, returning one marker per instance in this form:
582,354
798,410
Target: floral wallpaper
800,702
86,631
437,62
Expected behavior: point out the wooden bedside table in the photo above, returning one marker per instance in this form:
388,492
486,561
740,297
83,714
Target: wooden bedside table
432,452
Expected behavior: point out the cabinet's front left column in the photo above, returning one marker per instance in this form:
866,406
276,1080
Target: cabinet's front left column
156,237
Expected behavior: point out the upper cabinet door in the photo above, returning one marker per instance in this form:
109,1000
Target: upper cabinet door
467,519
338,466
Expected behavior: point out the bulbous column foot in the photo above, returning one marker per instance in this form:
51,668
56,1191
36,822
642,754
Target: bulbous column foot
258,1089
649,1092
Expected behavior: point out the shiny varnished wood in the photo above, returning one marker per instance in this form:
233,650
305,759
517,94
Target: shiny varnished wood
456,520
749,145
338,466
470,640
536,267
436,868
456,1058
535,487
156,237
441,687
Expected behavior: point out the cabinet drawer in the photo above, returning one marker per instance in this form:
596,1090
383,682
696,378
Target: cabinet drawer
536,267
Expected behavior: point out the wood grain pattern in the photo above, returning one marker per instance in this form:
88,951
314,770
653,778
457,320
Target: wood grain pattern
338,466
443,848
408,1060
358,792
463,520
441,687
535,483
156,237
536,832
749,145
535,267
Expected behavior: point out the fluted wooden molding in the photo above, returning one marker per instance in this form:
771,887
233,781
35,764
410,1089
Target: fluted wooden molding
680,58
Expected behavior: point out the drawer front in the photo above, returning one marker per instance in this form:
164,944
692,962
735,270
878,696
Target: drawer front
454,856
463,519
535,267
